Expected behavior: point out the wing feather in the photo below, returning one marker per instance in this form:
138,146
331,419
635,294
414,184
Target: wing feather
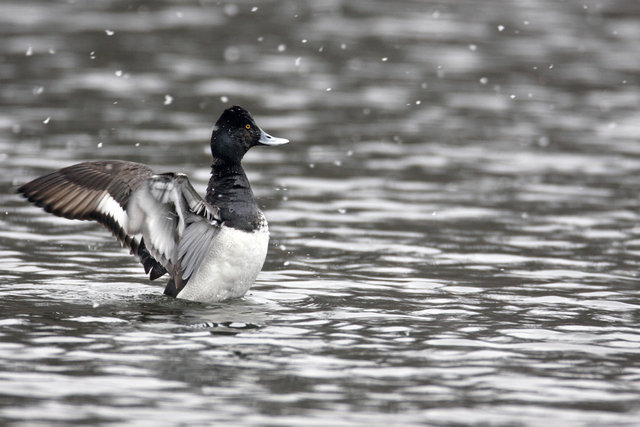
194,245
96,191
161,218
177,225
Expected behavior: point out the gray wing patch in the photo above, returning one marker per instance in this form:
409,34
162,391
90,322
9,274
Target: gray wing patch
157,221
175,222
195,243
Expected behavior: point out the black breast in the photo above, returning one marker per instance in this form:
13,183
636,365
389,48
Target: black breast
230,191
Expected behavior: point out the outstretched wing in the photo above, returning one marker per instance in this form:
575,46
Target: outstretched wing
98,191
175,222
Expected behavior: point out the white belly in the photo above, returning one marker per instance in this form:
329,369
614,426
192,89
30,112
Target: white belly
230,267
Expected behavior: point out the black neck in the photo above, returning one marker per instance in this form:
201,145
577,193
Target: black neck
230,191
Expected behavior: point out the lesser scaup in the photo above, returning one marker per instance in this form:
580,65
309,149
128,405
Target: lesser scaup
212,248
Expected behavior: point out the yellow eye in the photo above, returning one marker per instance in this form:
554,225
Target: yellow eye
247,127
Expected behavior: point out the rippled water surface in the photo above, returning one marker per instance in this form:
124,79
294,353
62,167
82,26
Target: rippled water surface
455,227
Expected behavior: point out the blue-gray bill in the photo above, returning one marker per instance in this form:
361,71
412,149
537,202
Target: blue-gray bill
266,139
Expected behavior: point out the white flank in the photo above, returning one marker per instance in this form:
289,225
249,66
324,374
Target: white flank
230,267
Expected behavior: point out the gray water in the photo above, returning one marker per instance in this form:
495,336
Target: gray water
455,230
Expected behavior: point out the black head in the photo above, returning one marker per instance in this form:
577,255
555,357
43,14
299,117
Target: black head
235,133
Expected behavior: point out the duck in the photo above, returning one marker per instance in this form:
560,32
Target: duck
211,248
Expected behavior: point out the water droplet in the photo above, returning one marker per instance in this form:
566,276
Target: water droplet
385,59
118,73
543,141
47,120
312,165
484,80
525,22
231,54
254,9
304,41
38,90
261,39
282,47
512,96
551,66
168,99
473,47
92,54
328,89
298,59
231,9
99,144
29,51
52,51
418,102
337,162
137,144
343,46
224,99
109,32
350,153
342,211
500,28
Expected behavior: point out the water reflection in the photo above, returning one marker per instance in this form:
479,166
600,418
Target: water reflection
454,227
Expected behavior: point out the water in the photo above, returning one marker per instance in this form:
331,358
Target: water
455,233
